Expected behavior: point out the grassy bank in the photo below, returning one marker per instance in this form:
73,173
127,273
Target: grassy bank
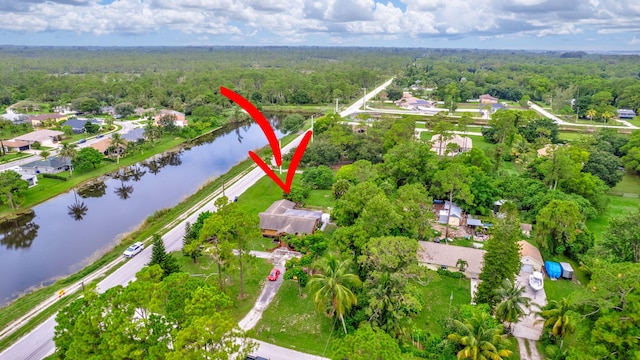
159,222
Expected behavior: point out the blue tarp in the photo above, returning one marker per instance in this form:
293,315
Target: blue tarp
554,270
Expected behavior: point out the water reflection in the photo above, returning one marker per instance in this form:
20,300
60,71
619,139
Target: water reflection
93,189
78,209
19,232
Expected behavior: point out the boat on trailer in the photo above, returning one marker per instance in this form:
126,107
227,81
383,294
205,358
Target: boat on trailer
536,281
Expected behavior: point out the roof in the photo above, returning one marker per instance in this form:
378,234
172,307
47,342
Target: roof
626,112
39,135
53,162
283,218
526,227
474,222
102,145
456,211
544,151
46,116
15,144
488,97
448,255
526,249
134,134
78,123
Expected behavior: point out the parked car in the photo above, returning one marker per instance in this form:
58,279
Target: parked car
133,250
273,276
82,141
100,136
254,357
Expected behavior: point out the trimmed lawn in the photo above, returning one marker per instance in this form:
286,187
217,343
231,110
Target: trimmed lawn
290,320
436,296
569,135
617,206
255,275
630,184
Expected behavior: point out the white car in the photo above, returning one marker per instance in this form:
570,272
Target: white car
133,250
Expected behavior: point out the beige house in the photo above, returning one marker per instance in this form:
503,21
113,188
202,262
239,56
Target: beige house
282,218
443,256
44,137
179,118
488,99
463,144
530,255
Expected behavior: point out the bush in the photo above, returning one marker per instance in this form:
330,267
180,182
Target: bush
451,274
36,145
54,176
292,123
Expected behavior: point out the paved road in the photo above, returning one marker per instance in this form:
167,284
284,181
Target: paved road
39,343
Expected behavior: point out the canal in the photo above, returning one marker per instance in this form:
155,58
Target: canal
70,231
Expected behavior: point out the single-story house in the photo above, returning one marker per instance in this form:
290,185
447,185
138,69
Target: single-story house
31,179
443,256
179,120
530,256
494,107
16,118
51,165
102,145
473,222
134,134
16,145
488,99
455,218
526,229
281,218
37,120
78,125
626,114
464,144
44,137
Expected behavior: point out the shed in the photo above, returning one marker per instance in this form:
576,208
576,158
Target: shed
554,271
567,270
530,255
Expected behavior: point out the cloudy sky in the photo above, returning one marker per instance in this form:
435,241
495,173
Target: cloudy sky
596,25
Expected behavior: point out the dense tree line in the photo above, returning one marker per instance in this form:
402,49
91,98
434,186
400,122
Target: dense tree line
596,82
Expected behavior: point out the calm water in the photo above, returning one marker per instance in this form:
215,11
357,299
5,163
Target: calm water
66,233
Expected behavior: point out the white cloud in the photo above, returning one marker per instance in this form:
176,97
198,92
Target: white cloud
295,20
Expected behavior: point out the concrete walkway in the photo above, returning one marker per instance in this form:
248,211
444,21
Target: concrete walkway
529,329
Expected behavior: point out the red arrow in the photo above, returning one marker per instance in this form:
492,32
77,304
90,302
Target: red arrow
273,142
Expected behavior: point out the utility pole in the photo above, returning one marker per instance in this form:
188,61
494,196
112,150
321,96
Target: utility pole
336,106
311,128
364,101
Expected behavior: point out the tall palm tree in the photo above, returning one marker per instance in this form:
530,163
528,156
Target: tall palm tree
480,341
556,316
118,143
513,304
332,287
69,151
607,115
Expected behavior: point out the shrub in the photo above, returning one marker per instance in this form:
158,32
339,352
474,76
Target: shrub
451,274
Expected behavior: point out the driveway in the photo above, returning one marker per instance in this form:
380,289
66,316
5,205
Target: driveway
528,330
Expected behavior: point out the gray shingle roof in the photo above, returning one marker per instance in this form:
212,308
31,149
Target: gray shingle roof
283,218
53,162
448,255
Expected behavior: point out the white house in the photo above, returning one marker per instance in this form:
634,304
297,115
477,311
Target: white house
44,137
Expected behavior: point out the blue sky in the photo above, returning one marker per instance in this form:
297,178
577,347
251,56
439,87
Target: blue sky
592,25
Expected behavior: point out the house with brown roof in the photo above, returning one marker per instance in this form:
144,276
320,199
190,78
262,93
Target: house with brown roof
488,99
16,146
444,256
530,257
282,218
102,145
44,137
179,119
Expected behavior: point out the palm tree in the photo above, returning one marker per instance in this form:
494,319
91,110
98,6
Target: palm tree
591,113
513,304
607,115
332,287
152,133
480,341
462,265
118,142
77,210
556,316
463,125
69,151
45,154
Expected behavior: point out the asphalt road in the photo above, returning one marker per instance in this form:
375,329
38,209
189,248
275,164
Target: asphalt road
39,343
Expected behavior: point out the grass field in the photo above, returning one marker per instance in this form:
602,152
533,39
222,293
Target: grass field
290,320
617,206
630,184
436,296
255,275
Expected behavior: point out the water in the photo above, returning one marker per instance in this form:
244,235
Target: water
68,232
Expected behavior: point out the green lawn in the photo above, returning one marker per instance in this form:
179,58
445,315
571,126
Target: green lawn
570,135
255,274
630,184
617,206
436,296
293,322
